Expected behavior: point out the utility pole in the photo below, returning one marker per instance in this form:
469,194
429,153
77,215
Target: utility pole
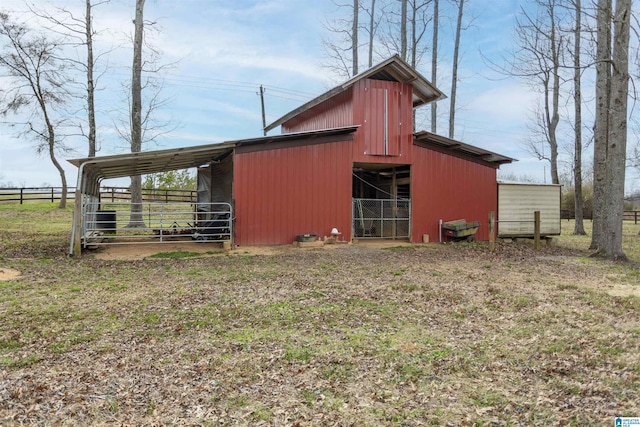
264,121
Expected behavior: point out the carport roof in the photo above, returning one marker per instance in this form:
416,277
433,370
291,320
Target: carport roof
146,162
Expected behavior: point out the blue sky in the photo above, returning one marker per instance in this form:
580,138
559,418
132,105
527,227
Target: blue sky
223,51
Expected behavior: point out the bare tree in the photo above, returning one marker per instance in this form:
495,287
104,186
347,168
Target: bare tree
136,114
454,71
80,32
577,125
403,29
354,37
617,141
418,21
341,46
539,61
373,27
434,62
601,126
39,83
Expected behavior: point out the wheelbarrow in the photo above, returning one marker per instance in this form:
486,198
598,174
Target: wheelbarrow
460,229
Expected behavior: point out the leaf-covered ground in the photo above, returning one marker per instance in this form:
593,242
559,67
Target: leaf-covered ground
449,335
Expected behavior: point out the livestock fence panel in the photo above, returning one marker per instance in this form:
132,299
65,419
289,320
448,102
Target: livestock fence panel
381,218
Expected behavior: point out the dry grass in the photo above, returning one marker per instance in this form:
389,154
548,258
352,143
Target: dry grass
357,335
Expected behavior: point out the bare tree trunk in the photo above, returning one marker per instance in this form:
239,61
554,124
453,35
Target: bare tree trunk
601,127
434,63
454,74
577,101
403,31
354,38
372,31
553,117
90,81
56,163
136,115
51,139
617,143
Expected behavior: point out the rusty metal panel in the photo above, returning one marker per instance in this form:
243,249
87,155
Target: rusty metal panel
332,113
448,188
289,191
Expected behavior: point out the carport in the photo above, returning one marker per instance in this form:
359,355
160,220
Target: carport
217,171
93,170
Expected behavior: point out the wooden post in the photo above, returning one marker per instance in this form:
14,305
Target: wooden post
536,230
21,190
492,231
52,195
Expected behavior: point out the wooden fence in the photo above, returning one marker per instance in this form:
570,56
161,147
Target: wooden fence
113,194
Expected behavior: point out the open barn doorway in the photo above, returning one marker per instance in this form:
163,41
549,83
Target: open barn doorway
381,207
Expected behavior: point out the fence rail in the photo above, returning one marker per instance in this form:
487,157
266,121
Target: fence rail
113,194
626,215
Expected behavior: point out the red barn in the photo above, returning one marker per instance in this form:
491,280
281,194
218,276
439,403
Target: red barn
349,159
376,179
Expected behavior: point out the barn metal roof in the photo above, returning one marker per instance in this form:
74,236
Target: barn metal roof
433,140
393,69
146,162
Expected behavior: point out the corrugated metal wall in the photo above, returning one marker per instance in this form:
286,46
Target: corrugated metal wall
517,204
333,113
368,111
449,188
364,105
285,192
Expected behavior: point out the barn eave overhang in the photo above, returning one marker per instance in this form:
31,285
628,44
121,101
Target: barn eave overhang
457,148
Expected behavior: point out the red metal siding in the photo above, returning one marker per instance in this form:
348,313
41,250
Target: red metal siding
368,111
449,188
332,113
285,192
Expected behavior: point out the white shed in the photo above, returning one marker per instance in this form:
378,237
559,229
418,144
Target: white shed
517,203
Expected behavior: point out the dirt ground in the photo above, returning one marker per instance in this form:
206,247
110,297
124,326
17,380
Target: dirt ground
367,334
8,274
608,284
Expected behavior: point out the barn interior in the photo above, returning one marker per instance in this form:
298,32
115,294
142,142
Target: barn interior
381,201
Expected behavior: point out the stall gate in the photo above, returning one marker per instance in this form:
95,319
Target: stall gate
116,223
381,218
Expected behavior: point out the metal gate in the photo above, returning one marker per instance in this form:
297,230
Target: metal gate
381,218
114,223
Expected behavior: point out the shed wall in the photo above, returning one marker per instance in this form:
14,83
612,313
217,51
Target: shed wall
289,191
447,188
517,204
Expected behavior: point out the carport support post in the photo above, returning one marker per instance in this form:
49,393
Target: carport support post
492,231
77,223
536,230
